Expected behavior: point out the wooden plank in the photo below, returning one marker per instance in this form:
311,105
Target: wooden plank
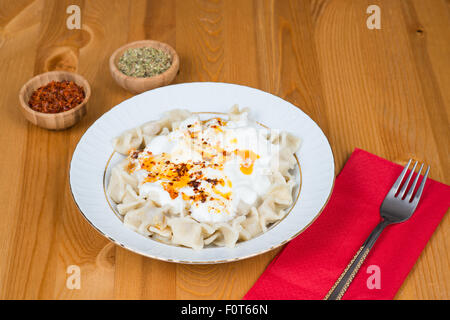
19,26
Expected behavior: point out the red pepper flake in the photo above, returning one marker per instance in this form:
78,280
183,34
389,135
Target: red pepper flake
56,96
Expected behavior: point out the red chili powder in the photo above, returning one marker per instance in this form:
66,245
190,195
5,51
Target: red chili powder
56,96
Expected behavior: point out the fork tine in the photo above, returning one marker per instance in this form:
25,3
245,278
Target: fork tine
405,185
400,178
422,185
413,187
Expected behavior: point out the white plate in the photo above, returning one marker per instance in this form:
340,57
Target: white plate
94,156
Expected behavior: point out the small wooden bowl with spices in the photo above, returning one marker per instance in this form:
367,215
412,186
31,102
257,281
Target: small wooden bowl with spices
144,65
55,100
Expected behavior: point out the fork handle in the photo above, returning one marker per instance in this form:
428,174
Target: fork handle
346,278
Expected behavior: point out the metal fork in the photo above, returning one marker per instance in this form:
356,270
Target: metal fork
396,207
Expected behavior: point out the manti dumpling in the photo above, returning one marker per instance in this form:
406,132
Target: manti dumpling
195,182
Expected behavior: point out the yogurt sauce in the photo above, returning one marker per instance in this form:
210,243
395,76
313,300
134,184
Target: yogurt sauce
207,168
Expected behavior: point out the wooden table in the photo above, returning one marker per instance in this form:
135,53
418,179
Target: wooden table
384,90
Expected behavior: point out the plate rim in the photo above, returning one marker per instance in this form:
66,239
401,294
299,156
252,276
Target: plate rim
145,254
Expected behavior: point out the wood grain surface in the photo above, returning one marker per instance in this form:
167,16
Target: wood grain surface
386,91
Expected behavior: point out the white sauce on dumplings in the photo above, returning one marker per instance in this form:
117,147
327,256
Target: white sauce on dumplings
207,168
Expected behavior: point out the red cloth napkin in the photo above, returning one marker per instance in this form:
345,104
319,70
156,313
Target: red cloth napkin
311,263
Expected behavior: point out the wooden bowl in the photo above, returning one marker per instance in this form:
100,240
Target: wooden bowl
138,85
53,121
